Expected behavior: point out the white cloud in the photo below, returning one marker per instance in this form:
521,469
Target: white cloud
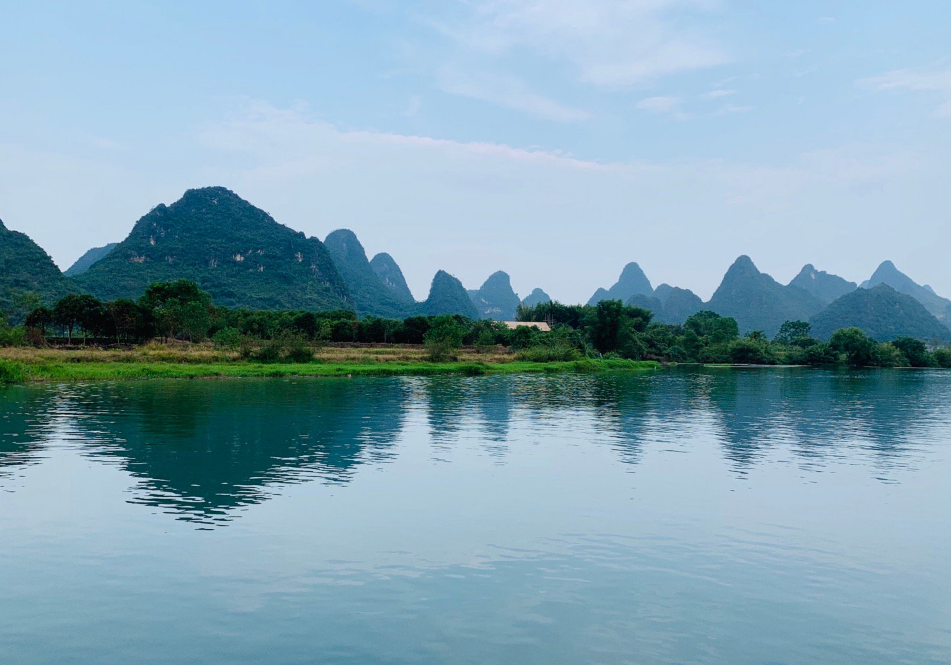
659,104
933,80
506,91
609,43
717,94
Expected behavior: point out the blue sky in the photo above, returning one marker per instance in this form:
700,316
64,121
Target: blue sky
553,139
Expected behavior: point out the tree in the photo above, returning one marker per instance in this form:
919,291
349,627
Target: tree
443,337
39,319
914,351
715,329
179,308
792,331
858,348
66,314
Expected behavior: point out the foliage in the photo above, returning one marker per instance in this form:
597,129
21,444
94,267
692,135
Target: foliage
28,276
12,372
882,313
447,296
233,250
287,347
368,293
443,337
792,331
857,347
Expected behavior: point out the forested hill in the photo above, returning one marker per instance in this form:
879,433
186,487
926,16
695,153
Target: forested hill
388,270
370,295
26,269
86,261
758,302
496,299
447,295
882,313
235,251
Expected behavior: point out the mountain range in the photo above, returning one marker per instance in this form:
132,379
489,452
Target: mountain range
245,258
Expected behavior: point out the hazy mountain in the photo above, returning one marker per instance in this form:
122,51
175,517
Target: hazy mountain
85,262
389,271
824,286
447,295
496,299
679,304
235,251
675,307
368,293
888,274
632,281
882,312
536,297
25,267
758,302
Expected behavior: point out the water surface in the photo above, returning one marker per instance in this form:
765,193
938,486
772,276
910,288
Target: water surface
718,516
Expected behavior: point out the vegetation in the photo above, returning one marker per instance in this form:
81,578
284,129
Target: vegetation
758,302
390,274
368,292
824,286
888,274
496,299
881,312
536,297
28,276
448,296
86,261
234,250
632,282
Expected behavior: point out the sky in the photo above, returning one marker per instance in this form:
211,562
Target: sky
554,139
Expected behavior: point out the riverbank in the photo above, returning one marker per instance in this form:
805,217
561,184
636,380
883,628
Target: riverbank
199,361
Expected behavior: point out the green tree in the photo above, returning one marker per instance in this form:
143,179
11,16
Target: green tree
443,337
857,347
179,308
914,351
792,331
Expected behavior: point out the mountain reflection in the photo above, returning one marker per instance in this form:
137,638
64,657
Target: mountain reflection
201,450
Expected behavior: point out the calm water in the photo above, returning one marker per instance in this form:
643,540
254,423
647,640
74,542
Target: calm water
722,516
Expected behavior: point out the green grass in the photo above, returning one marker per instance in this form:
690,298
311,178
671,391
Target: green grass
91,371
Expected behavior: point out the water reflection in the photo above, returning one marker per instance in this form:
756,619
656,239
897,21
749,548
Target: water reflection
202,449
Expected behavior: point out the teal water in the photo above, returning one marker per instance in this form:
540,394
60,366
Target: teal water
719,516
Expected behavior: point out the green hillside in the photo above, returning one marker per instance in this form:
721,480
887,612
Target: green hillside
887,273
235,251
882,313
758,302
86,261
447,296
632,282
824,286
495,299
536,297
368,292
388,270
26,268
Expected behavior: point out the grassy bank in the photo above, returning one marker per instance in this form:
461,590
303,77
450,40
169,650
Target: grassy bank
196,361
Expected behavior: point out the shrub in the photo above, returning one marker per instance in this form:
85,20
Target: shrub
287,347
11,372
443,337
14,336
544,353
229,339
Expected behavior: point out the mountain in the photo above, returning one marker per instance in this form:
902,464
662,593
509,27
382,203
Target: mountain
679,304
389,271
25,267
882,313
758,302
672,305
235,251
824,286
496,299
447,296
888,274
84,262
367,291
536,297
632,281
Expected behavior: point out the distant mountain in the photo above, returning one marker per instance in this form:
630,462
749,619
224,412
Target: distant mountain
495,299
758,302
447,295
824,286
25,267
679,305
389,271
536,297
367,291
235,251
882,313
632,281
671,305
85,262
888,274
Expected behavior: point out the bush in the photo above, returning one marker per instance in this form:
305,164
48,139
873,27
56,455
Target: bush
229,339
750,351
284,348
943,358
443,337
545,353
14,336
11,372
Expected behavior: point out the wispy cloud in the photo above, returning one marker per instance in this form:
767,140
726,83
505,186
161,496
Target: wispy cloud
717,94
607,43
506,91
659,104
934,80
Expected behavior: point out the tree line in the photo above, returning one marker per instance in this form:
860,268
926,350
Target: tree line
181,310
